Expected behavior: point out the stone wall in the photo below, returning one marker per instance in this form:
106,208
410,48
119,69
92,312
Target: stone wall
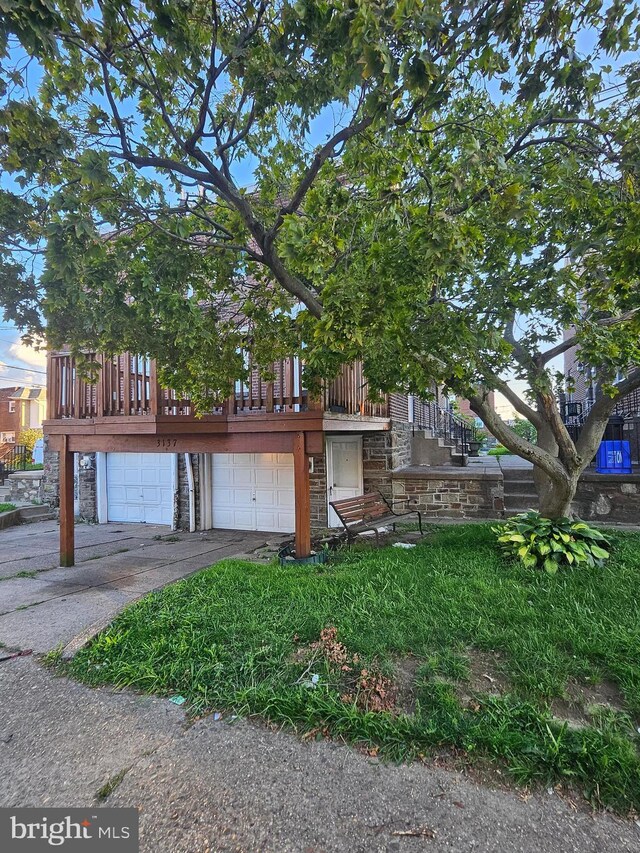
27,487
318,489
181,510
608,497
87,492
51,479
445,494
382,454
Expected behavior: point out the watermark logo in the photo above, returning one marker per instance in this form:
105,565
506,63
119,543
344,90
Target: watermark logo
74,830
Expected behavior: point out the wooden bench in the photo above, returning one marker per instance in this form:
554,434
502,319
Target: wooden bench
369,512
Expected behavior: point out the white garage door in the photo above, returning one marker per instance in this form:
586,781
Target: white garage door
140,487
253,491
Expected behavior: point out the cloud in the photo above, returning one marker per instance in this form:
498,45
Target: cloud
28,355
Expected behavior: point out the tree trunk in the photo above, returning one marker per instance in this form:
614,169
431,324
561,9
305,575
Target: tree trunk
555,494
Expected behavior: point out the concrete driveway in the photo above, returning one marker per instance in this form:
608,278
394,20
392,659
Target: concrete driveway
43,605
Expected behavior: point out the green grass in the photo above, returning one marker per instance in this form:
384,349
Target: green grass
226,638
6,507
499,451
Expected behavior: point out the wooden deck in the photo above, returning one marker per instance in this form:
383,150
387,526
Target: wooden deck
126,409
127,387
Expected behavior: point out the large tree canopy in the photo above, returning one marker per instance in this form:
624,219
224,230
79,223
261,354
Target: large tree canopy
475,192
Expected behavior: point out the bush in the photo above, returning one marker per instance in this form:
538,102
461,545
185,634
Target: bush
28,438
551,544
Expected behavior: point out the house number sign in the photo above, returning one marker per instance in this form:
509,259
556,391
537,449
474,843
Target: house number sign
167,443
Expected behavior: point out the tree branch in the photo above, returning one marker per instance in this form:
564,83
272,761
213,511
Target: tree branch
321,156
523,448
596,421
568,343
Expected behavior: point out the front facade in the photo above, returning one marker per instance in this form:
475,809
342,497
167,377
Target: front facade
269,458
581,392
21,408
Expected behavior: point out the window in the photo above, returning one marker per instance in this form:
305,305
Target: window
12,406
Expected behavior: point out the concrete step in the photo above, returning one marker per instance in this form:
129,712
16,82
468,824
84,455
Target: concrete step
523,474
520,487
39,512
518,503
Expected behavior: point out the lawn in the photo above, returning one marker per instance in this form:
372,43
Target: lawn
444,646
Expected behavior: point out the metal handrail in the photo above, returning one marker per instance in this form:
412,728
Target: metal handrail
16,459
443,424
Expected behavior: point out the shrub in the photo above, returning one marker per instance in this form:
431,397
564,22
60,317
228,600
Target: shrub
500,450
551,543
28,438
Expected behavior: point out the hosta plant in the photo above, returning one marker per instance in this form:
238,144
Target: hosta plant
551,543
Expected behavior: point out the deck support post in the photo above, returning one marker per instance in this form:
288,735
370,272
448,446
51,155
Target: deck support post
67,532
302,495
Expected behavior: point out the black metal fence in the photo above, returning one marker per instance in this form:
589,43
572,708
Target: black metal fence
17,458
617,429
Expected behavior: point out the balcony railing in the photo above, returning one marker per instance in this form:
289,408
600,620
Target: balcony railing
127,386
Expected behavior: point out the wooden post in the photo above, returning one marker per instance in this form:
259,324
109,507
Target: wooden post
67,549
302,496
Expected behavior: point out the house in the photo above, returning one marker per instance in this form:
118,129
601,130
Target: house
21,408
581,391
271,457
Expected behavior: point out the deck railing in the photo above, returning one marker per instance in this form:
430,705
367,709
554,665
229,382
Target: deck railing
127,385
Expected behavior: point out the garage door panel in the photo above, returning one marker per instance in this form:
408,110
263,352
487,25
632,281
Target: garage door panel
140,487
253,491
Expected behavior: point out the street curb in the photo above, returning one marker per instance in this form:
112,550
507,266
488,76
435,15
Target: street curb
9,518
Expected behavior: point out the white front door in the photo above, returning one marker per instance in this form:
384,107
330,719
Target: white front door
344,470
253,491
140,487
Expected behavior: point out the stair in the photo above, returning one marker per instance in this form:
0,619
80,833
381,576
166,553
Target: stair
519,490
5,491
36,512
429,450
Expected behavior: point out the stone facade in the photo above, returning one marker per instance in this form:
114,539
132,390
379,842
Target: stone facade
86,488
27,487
610,498
318,489
451,494
382,454
181,507
51,479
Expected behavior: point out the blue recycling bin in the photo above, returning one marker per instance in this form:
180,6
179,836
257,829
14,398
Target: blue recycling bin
614,457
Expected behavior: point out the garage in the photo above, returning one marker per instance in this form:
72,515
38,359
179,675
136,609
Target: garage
253,491
139,487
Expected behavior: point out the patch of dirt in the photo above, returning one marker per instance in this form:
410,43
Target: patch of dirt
405,683
583,699
486,675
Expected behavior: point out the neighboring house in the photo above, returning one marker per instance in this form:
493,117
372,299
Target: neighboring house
464,407
20,408
270,458
582,390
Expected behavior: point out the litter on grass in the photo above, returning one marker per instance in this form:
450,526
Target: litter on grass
178,700
403,545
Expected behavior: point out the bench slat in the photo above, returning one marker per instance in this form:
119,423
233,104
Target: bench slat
366,512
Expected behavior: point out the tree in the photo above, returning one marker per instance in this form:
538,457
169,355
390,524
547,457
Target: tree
482,236
127,173
525,429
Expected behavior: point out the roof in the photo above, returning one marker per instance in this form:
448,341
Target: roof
8,393
25,393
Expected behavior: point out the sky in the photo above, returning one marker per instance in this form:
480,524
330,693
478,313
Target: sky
19,364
